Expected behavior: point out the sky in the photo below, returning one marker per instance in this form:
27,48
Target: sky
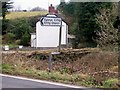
29,4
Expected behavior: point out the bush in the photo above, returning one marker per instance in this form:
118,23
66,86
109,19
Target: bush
17,42
9,38
5,24
21,26
25,39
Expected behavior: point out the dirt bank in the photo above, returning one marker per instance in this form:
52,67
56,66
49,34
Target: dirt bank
100,65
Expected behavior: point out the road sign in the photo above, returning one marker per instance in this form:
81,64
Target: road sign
53,21
50,21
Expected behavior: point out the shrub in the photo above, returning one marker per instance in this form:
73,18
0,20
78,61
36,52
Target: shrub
9,38
25,39
21,26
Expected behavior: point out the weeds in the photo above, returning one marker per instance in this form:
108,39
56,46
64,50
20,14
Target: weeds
82,71
110,82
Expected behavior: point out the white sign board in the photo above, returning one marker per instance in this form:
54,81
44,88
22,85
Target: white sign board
20,47
55,53
6,47
50,21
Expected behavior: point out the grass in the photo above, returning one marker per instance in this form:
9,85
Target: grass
109,82
44,75
77,79
29,65
11,46
14,15
6,68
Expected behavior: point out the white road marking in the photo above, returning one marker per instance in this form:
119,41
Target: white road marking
42,81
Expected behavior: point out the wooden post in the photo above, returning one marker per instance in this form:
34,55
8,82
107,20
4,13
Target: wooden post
60,37
50,62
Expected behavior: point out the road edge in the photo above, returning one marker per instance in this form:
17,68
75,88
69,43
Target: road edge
42,81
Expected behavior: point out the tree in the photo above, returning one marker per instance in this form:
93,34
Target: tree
66,8
5,7
5,24
20,27
89,25
95,24
107,36
37,9
67,13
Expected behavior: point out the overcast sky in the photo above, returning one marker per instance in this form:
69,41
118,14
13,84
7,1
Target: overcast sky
28,4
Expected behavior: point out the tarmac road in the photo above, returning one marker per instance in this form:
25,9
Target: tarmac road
21,83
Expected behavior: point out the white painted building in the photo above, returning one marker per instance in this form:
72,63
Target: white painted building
48,36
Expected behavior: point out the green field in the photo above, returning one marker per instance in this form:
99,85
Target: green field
14,15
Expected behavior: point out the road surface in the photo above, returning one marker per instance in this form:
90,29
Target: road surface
33,84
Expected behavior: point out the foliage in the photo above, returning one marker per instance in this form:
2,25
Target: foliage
22,30
18,24
33,21
86,71
65,70
88,24
25,39
5,24
17,30
5,7
67,8
109,82
9,38
107,36
20,27
6,68
87,20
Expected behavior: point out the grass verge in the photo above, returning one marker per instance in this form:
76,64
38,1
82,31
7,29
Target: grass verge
76,79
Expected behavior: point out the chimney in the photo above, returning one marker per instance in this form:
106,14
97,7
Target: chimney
52,10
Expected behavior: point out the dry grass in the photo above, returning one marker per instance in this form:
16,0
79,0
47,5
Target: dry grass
98,66
85,62
14,15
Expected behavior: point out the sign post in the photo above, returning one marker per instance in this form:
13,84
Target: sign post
53,21
60,33
50,60
50,63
